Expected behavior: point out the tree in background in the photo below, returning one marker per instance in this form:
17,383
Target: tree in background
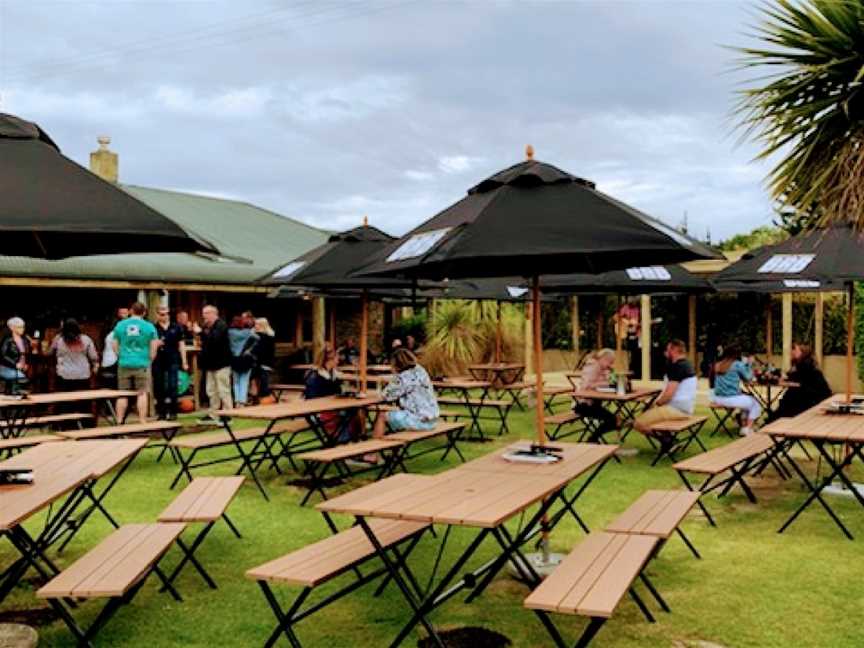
805,105
764,235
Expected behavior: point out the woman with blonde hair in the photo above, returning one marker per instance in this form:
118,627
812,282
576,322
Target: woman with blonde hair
265,356
596,374
411,389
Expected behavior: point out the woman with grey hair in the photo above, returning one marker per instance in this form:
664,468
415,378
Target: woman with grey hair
13,354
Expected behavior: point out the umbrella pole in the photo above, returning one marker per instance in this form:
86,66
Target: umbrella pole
364,335
618,329
850,341
538,359
498,335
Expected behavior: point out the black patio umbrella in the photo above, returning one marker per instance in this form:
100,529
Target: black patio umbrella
822,259
327,270
533,219
642,280
52,208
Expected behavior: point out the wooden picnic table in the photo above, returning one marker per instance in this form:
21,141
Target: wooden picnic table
14,412
768,394
69,469
307,409
498,373
482,495
626,406
826,431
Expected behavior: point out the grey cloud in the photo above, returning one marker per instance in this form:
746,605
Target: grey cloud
327,112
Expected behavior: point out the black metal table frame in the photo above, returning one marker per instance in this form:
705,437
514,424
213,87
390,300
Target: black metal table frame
475,409
837,471
189,553
423,602
669,443
13,416
316,471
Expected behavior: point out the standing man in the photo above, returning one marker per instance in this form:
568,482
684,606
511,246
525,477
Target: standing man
215,361
170,357
678,398
136,342
628,322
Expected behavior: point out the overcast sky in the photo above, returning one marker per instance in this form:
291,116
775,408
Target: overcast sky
326,111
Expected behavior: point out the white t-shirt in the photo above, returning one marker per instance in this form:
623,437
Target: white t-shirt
109,355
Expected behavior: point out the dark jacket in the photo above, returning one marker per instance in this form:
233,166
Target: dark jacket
215,349
265,351
813,390
318,386
10,354
169,353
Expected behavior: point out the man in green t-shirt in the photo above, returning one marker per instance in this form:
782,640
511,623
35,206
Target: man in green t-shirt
136,343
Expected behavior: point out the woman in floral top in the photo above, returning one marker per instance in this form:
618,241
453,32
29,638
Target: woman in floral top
412,389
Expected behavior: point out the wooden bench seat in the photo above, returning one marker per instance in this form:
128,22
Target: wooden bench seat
559,422
325,560
735,458
450,431
724,415
592,580
206,500
320,462
657,513
50,421
278,389
265,439
115,569
166,428
16,444
676,435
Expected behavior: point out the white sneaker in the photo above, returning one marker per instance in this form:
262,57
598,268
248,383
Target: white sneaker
746,430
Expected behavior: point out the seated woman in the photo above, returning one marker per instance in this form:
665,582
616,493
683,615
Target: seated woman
322,381
812,387
596,374
412,389
729,372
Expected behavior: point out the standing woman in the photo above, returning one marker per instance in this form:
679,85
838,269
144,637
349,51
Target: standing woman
13,355
77,358
729,373
265,353
242,340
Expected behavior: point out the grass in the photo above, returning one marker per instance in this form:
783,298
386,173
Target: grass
753,588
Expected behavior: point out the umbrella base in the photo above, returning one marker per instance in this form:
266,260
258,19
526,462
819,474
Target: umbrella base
839,489
542,562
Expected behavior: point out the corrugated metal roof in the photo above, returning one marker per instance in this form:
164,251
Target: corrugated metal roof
237,228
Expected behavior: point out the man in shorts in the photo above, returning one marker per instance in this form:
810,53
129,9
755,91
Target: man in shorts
678,398
136,343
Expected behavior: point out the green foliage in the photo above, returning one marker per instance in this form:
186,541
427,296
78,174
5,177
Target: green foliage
462,332
859,328
804,104
764,235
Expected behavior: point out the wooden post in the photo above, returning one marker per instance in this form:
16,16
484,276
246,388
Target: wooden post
769,331
818,326
528,346
298,326
646,337
364,341
574,323
333,324
601,324
787,331
318,323
538,361
850,342
691,328
620,365
498,334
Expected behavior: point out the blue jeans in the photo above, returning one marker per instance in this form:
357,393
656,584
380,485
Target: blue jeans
11,379
241,385
165,387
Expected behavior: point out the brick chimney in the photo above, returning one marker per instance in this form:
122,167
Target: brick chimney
104,161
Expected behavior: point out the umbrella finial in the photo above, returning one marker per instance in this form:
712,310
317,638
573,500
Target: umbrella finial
529,152
365,221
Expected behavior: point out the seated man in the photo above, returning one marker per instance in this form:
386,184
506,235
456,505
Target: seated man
679,394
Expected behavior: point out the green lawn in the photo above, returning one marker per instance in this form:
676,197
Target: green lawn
753,587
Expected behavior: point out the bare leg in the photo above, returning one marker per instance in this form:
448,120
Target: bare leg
122,406
380,426
141,405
